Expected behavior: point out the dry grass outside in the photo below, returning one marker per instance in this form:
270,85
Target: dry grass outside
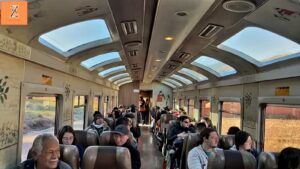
279,134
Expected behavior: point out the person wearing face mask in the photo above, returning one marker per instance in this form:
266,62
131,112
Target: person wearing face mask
98,125
198,156
66,135
46,153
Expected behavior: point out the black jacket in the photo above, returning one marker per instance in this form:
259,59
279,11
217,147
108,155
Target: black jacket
29,164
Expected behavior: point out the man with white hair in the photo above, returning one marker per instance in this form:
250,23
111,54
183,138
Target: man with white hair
46,153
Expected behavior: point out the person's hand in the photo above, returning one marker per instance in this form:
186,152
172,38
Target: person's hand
182,135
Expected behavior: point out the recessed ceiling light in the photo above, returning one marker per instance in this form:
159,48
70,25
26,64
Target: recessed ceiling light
163,51
181,13
169,38
157,60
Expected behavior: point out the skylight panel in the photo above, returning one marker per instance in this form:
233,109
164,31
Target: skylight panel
122,80
71,39
261,47
182,79
110,71
173,82
119,76
168,84
193,74
101,60
120,84
214,66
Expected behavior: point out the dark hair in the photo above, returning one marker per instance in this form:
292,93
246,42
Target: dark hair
62,131
205,134
122,120
208,122
240,138
233,130
200,126
97,114
129,115
289,158
182,118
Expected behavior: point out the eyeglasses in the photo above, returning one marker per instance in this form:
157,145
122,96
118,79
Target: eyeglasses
186,121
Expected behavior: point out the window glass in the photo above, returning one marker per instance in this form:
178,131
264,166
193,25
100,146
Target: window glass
39,118
281,127
125,82
182,79
231,116
79,110
126,79
96,103
110,71
214,66
71,39
205,109
173,82
118,76
168,84
193,74
191,106
260,47
101,60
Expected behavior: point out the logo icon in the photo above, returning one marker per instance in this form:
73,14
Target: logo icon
14,13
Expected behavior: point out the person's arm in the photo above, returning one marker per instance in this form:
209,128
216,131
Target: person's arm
135,158
193,160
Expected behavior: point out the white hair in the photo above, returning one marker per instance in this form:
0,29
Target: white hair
37,145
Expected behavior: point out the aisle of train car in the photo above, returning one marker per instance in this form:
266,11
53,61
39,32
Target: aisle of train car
150,156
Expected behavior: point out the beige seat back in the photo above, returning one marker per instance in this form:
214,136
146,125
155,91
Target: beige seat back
106,157
191,141
86,138
106,138
268,160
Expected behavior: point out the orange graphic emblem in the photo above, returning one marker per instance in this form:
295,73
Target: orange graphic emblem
14,13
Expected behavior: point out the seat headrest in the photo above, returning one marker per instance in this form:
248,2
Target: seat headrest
70,155
86,138
229,159
104,157
226,141
165,118
268,160
106,138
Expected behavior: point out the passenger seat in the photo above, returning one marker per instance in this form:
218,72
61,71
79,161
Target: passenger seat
191,141
226,141
230,159
86,138
268,160
106,157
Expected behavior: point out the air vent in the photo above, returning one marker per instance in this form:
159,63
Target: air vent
239,6
134,66
183,56
210,30
129,27
134,45
85,10
133,53
171,67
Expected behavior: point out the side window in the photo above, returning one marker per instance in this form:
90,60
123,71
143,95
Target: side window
205,108
281,127
79,110
230,115
105,105
96,103
39,117
190,107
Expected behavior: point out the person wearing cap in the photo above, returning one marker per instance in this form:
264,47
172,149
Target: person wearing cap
121,138
98,125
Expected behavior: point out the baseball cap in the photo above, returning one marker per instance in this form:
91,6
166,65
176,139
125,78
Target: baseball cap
121,129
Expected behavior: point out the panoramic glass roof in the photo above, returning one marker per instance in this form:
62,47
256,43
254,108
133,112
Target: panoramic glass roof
182,79
260,47
101,60
119,76
168,84
122,80
71,39
173,82
110,71
120,84
193,74
214,66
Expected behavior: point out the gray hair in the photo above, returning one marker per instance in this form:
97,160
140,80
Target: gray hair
37,145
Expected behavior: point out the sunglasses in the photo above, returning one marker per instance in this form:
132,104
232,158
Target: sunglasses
186,121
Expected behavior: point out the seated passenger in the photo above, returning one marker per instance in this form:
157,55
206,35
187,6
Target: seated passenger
46,154
128,123
233,130
197,157
207,121
243,142
289,158
200,127
180,129
98,125
135,128
121,138
66,136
